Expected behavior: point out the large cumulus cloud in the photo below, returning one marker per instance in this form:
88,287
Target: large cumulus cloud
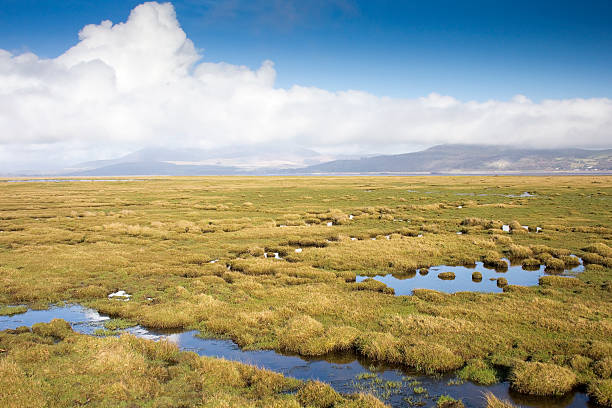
143,82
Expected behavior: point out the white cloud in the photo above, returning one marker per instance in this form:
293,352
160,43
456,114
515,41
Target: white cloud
142,83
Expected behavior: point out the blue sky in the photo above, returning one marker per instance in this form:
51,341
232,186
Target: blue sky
372,76
471,50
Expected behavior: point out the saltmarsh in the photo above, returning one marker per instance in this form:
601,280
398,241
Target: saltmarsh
190,252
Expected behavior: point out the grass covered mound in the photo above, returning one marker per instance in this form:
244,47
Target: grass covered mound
542,379
51,365
494,402
601,392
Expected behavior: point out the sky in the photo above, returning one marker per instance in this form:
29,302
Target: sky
83,80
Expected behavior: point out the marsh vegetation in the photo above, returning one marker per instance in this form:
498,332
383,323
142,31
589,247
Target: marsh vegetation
218,255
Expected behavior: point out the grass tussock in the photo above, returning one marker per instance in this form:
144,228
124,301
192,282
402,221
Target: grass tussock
12,310
479,372
531,263
446,401
487,224
502,282
517,228
601,392
519,251
603,368
374,286
493,402
492,259
318,395
431,358
599,248
542,379
560,282
554,264
307,336
430,295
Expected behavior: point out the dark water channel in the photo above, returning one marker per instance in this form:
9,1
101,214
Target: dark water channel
463,281
346,372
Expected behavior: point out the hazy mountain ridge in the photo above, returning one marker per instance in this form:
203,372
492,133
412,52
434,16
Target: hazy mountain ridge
471,158
255,160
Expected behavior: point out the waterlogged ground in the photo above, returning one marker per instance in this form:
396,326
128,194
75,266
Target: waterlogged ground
280,263
464,279
346,372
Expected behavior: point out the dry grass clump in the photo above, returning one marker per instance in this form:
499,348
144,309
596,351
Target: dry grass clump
56,328
560,281
430,357
590,258
502,239
599,248
429,295
307,336
554,264
520,251
517,228
446,401
446,275
374,286
336,216
541,249
407,232
318,395
404,267
492,259
307,242
12,310
570,261
598,350
90,292
542,379
479,372
476,276
379,346
501,282
601,392
255,267
531,263
487,224
603,368
256,251
494,402
580,363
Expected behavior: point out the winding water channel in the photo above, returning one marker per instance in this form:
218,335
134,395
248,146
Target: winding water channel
344,372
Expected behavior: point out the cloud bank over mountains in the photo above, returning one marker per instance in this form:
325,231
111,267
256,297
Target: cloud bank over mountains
144,83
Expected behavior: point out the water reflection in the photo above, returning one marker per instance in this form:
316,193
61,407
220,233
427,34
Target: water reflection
464,279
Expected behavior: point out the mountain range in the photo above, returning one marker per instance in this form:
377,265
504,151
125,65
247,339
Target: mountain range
470,159
268,160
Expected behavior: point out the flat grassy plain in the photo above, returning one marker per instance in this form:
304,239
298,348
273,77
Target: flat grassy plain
199,253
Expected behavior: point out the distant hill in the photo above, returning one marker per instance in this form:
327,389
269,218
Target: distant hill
256,159
278,160
469,158
155,169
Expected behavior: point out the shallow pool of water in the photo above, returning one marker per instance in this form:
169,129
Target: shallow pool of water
341,371
403,284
